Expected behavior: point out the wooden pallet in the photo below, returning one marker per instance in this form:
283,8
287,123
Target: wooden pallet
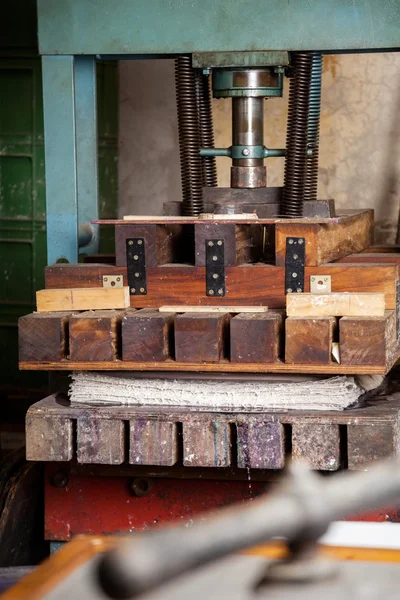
328,441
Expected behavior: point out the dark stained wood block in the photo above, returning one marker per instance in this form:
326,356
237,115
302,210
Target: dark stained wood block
260,444
100,441
309,340
368,341
206,444
147,335
328,240
153,442
371,442
201,337
317,443
242,243
256,337
48,437
43,336
95,335
159,242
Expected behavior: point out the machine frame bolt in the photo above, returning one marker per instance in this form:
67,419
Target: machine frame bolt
60,479
245,151
141,486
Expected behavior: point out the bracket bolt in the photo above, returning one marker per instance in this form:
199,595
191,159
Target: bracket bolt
211,292
289,290
142,290
211,243
140,242
245,151
300,241
294,275
118,279
215,276
290,241
136,257
133,291
299,290
220,291
219,242
215,258
60,479
295,257
137,274
130,242
105,278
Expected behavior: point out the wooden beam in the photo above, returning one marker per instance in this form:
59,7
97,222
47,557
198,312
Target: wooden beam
256,338
335,305
309,340
43,336
201,337
214,309
147,335
95,335
82,299
368,341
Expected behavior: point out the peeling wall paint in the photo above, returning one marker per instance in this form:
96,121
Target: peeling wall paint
359,148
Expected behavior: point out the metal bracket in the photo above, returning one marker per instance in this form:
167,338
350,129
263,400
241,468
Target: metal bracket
294,265
110,281
136,266
215,267
320,284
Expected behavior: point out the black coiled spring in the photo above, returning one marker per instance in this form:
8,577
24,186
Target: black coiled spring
206,128
189,137
314,110
296,137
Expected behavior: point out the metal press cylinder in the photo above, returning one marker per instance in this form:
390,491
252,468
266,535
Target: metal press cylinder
248,130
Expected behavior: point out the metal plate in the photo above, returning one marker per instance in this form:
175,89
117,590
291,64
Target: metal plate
294,265
136,266
320,284
215,267
110,281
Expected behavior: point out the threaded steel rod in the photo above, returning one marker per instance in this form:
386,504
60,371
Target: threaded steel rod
314,111
206,129
296,137
189,137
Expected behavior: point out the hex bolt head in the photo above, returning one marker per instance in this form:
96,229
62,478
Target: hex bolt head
60,479
211,292
245,151
220,291
210,243
133,291
300,241
290,241
299,290
289,290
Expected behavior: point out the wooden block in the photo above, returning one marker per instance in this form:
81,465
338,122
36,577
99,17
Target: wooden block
206,444
309,341
95,335
335,305
100,441
368,341
260,444
214,309
242,243
256,337
147,335
371,442
153,442
43,336
317,443
200,337
255,285
327,240
82,299
159,241
48,437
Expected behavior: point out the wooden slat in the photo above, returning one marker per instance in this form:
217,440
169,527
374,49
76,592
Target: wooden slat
371,341
258,285
200,337
206,444
100,441
217,309
153,442
309,341
256,338
82,299
260,444
326,242
242,243
370,442
147,335
94,335
49,437
43,336
335,305
318,444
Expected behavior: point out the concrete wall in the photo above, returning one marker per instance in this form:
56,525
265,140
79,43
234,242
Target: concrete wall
359,148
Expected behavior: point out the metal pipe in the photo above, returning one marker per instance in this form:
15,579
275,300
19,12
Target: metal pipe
301,508
248,130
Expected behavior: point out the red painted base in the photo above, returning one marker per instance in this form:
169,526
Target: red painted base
109,505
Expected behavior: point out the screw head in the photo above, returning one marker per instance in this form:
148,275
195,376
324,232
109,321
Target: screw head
299,290
130,243
133,291
215,276
220,291
325,279
219,242
118,278
137,274
290,241
142,289
312,278
211,243
245,151
294,275
300,241
140,242
136,257
295,257
105,278
215,258
289,290
211,292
